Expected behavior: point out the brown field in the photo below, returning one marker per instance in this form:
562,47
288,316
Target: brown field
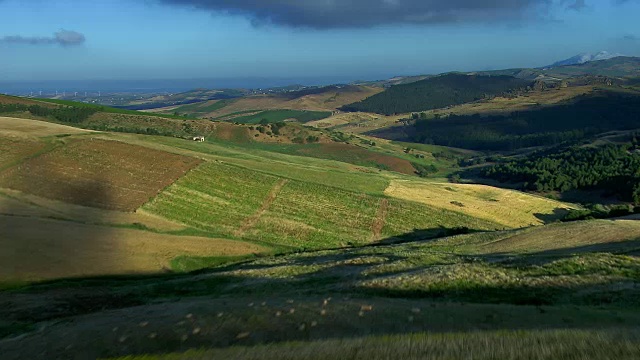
595,235
354,154
13,150
39,249
16,203
98,173
327,101
507,207
14,127
357,122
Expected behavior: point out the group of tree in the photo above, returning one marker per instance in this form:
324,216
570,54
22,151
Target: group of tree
65,114
585,117
438,92
613,168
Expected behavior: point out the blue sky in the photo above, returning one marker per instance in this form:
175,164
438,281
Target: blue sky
173,39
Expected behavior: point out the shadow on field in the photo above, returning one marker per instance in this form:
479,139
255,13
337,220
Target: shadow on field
37,243
427,234
375,290
558,214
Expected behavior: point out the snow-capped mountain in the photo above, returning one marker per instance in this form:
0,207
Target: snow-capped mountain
585,58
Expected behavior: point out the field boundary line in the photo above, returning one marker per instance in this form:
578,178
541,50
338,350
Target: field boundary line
380,220
251,221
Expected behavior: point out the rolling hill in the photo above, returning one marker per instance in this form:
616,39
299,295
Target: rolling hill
271,239
437,92
267,196
573,120
621,66
159,244
322,99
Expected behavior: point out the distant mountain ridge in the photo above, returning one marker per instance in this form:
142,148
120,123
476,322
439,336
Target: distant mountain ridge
585,58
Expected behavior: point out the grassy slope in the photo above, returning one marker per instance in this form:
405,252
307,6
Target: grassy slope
319,203
460,295
489,345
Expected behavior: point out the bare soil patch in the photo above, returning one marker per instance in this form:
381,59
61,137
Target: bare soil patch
98,173
357,155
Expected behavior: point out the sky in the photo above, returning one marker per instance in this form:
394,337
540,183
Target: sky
337,40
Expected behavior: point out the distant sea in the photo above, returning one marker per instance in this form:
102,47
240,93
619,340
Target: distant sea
157,86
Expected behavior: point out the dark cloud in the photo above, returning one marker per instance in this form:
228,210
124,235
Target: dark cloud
576,4
62,37
324,14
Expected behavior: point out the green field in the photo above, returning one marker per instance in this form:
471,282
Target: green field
235,202
272,116
215,198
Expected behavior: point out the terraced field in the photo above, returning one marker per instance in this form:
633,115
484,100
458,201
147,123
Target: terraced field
214,197
99,173
230,201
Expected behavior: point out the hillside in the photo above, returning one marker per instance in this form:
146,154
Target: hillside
265,197
437,92
159,244
322,99
573,120
556,285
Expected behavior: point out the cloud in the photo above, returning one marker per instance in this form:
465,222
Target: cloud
62,37
324,14
576,4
